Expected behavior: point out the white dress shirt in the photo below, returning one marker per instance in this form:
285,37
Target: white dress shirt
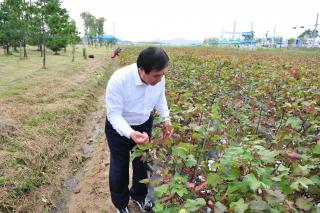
129,101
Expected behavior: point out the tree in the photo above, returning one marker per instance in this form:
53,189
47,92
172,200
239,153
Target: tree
35,32
43,30
100,30
88,21
11,22
93,28
25,28
308,34
57,22
74,36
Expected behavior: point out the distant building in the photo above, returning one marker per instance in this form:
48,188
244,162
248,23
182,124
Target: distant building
108,38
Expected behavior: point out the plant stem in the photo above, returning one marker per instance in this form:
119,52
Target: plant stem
260,113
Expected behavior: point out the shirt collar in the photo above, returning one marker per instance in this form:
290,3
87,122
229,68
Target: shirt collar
137,78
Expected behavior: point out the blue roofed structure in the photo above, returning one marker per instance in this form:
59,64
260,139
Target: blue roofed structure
108,38
247,34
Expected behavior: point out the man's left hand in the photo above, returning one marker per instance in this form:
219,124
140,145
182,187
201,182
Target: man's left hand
167,133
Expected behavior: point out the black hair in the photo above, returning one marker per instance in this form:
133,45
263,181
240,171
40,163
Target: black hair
152,58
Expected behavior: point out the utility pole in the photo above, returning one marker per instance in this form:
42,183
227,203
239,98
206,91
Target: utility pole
315,31
222,33
234,30
114,29
274,35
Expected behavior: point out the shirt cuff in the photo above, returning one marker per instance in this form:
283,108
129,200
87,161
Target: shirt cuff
128,132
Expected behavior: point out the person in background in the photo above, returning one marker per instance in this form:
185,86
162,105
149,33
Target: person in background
131,94
116,53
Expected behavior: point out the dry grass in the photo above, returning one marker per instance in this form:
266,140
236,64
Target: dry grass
42,113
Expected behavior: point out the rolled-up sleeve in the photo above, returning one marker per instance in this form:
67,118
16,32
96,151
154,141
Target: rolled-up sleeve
114,104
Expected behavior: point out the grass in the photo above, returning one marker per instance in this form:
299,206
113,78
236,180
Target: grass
47,117
13,145
49,107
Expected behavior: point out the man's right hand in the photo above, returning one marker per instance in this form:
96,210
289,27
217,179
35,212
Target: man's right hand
139,138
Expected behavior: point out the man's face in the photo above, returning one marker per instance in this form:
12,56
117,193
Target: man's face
153,77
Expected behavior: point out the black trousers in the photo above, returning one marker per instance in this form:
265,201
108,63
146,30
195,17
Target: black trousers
120,148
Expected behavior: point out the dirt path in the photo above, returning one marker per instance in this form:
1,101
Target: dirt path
87,189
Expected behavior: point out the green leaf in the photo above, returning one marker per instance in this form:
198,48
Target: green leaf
294,122
201,130
215,115
277,178
219,207
182,211
136,152
233,187
274,197
158,208
258,204
179,189
161,190
252,182
264,172
285,186
145,146
181,153
316,149
315,179
304,203
194,205
268,156
232,174
191,161
179,178
213,179
187,147
299,170
282,169
239,206
301,182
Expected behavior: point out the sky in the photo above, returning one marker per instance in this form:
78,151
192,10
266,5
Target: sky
147,20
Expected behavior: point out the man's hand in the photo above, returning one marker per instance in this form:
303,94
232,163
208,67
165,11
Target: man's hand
139,138
165,129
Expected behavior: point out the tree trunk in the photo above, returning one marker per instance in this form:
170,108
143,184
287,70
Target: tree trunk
20,49
73,51
25,55
84,52
43,35
40,48
44,55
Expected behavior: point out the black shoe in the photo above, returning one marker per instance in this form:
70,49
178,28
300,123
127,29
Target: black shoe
123,210
144,205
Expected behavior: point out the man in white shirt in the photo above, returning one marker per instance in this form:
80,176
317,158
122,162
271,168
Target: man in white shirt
131,95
